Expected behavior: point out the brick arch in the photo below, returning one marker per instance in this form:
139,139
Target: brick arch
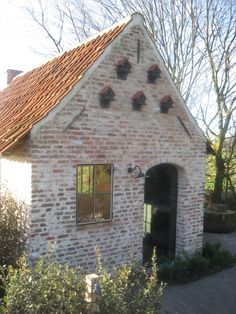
178,164
181,214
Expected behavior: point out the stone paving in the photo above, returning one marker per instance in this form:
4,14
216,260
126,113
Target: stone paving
215,294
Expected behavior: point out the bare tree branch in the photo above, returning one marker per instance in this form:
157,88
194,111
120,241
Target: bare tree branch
196,39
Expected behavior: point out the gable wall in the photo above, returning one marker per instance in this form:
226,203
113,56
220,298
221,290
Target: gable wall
125,138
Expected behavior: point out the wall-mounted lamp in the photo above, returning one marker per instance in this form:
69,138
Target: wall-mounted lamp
140,174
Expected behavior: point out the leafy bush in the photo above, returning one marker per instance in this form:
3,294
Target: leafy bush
217,256
45,288
13,229
3,274
197,264
48,288
13,233
130,290
186,268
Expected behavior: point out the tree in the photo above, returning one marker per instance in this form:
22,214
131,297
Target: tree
64,22
170,25
196,39
218,33
230,160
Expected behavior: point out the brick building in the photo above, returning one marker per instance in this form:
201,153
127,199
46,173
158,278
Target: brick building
101,147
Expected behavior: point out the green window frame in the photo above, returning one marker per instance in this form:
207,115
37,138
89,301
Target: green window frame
94,191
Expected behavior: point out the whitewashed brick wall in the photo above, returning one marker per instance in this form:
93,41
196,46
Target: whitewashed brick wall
15,176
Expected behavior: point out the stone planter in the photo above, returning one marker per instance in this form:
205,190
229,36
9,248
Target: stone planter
218,219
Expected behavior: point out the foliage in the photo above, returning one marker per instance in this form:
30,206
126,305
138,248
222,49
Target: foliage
217,256
218,36
46,287
229,180
130,290
187,268
13,233
210,173
3,274
182,269
13,229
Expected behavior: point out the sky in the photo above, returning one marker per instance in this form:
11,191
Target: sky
21,39
18,37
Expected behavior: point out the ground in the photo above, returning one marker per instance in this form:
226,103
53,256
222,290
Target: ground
211,295
215,294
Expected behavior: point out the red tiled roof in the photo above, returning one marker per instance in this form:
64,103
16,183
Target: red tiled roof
30,97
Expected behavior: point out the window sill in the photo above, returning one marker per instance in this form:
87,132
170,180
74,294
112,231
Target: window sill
93,222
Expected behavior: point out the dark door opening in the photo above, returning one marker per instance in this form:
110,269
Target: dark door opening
160,208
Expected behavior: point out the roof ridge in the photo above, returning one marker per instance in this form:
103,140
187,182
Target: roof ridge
136,17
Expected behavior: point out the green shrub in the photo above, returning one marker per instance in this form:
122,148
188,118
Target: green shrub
13,233
3,274
217,256
131,289
45,288
184,268
197,264
13,229
48,288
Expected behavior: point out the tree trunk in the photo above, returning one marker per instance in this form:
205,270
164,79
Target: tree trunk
232,188
219,178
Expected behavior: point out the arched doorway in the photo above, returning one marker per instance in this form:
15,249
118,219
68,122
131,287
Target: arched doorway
160,210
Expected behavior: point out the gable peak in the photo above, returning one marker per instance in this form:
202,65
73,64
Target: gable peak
137,18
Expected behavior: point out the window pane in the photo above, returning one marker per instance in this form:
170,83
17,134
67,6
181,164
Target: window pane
94,193
149,213
103,178
85,179
85,208
102,207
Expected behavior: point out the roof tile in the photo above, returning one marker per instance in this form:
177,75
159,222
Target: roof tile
30,97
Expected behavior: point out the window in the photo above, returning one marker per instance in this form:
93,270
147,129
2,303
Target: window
147,219
94,193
